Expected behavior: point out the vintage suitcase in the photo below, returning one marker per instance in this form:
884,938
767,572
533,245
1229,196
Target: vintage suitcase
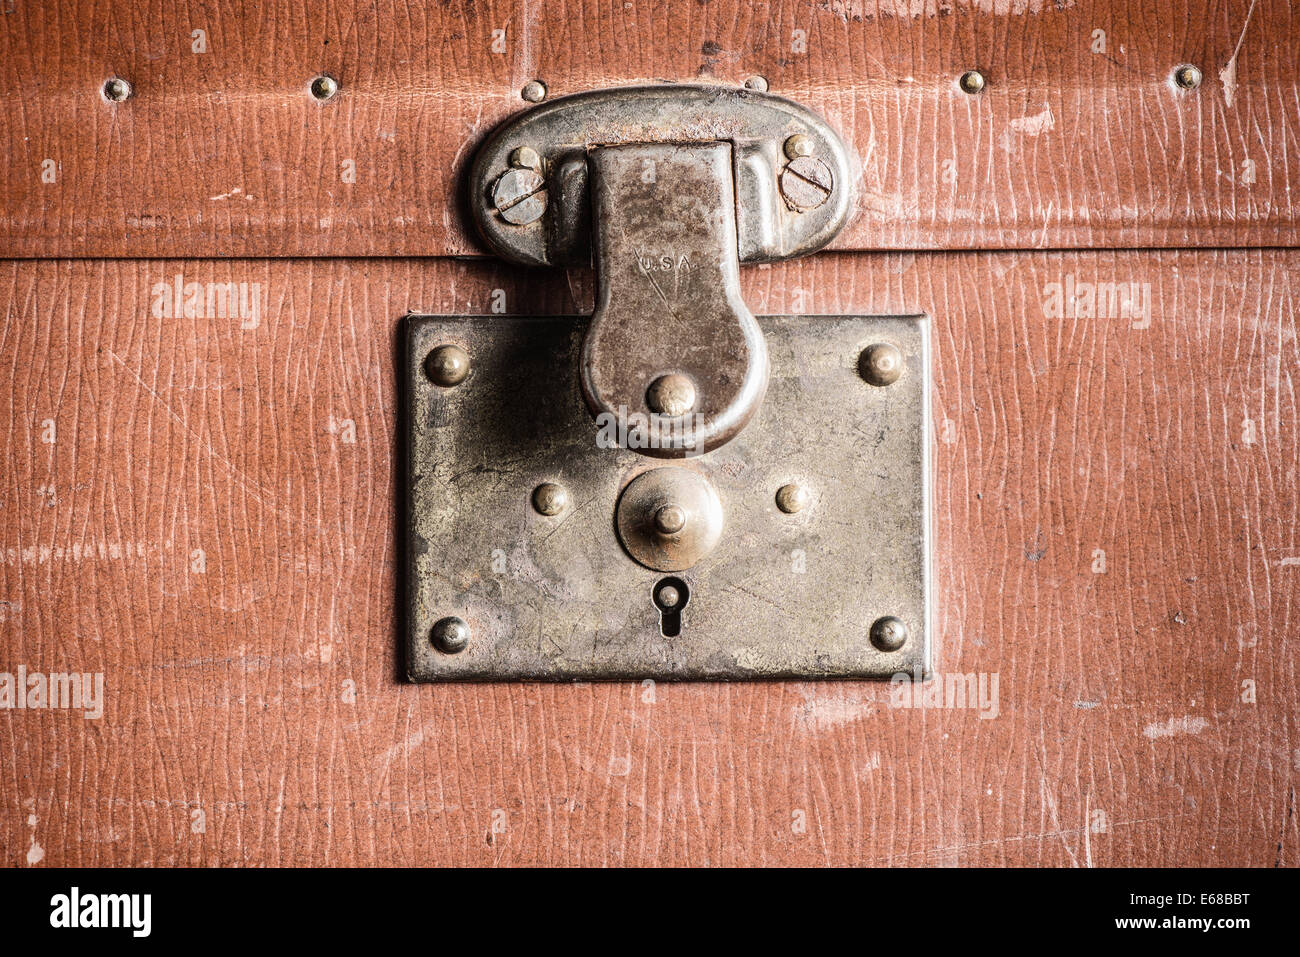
329,532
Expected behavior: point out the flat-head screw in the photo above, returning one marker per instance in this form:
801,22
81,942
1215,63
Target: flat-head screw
447,365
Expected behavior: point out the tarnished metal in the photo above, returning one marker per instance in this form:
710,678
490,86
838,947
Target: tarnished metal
889,633
881,364
669,518
792,498
560,597
668,304
752,125
447,365
665,190
550,498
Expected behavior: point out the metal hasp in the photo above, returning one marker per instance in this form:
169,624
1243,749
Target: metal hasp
752,499
665,191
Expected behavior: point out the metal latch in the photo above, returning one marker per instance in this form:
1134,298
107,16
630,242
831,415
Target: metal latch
791,523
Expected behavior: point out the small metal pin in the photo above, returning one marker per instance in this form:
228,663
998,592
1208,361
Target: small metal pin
670,519
792,498
972,81
756,83
447,365
324,87
888,633
534,91
525,158
550,498
671,395
801,144
116,89
880,364
1187,77
450,635
668,596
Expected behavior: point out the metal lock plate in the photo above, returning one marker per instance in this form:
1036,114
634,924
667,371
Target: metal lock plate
751,499
559,597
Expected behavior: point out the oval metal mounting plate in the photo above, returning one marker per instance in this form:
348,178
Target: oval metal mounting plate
756,125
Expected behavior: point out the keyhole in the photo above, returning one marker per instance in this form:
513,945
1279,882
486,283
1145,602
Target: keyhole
670,597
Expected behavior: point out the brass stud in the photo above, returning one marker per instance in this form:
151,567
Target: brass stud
1187,77
450,635
801,144
880,364
117,89
550,498
525,158
972,81
447,365
671,395
534,91
888,633
324,87
792,498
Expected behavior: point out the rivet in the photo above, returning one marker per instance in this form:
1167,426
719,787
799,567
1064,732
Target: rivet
447,365
800,144
888,633
792,498
972,81
525,158
671,395
450,635
550,498
324,87
534,91
880,364
1187,76
116,89
757,83
670,519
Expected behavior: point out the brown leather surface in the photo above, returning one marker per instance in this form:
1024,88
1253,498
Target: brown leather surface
1122,735
225,153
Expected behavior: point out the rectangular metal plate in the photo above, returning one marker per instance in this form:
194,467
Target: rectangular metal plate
557,598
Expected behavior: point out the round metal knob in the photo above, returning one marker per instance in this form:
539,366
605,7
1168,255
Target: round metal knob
669,518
